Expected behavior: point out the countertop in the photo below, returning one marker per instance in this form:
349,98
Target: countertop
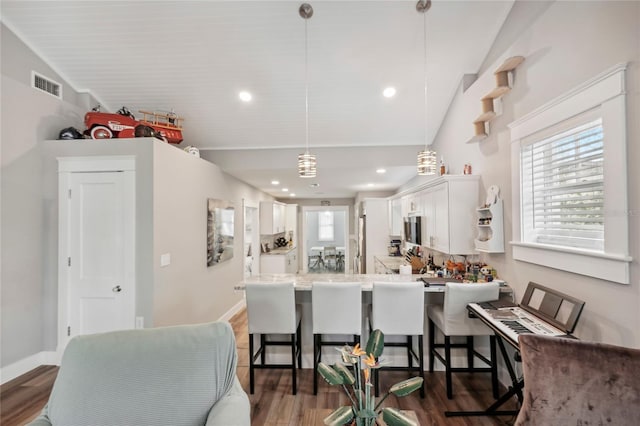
278,251
303,282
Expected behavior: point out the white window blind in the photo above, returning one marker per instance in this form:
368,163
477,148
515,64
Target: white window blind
563,187
325,226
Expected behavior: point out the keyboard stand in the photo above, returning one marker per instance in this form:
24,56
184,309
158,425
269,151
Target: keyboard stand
515,389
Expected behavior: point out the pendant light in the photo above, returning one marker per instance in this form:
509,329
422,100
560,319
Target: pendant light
426,159
306,161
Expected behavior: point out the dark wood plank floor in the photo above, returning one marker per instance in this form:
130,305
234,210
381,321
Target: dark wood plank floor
272,404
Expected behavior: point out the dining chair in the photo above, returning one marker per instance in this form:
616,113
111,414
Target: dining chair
314,262
336,310
452,319
330,256
271,309
398,310
340,262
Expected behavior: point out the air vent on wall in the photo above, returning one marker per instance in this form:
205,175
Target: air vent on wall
46,85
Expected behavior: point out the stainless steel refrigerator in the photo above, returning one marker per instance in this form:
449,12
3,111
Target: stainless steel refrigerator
361,262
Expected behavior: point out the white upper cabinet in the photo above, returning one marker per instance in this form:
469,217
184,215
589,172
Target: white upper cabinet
395,217
272,217
448,208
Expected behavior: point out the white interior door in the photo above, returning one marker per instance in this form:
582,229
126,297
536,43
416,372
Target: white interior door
251,241
97,233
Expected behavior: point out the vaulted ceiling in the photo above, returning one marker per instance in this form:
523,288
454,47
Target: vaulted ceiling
194,57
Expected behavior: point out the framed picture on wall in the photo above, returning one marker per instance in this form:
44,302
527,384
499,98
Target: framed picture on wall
220,228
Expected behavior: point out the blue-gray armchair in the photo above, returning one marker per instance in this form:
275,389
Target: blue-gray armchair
179,376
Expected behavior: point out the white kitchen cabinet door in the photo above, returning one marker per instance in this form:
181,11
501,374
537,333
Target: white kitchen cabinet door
272,217
440,199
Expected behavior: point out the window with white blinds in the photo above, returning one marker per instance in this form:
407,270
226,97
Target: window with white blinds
563,188
325,226
569,173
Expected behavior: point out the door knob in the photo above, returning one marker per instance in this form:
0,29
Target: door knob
116,289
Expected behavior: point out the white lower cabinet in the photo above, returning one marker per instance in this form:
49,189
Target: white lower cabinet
285,263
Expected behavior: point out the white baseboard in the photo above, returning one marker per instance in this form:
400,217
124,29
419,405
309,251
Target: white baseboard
18,368
234,310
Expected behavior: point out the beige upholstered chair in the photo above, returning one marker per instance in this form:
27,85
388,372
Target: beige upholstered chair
573,382
398,310
452,319
337,310
271,309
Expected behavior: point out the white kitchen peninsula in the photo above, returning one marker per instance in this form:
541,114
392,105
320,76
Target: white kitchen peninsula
303,283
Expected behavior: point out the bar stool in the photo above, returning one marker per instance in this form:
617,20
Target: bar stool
336,309
271,309
398,309
452,319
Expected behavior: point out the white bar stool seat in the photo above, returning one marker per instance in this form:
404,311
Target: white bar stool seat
452,319
271,309
336,309
398,309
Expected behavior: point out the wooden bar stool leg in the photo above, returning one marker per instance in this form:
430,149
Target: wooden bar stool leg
432,342
447,360
299,340
251,371
316,360
421,363
294,344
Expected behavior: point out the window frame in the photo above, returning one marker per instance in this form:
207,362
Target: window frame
606,94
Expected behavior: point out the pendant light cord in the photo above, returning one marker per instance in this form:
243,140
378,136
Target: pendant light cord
306,86
424,13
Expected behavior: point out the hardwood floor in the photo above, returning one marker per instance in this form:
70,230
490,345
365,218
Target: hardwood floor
272,404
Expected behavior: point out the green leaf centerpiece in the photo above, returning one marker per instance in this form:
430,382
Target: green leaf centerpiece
354,375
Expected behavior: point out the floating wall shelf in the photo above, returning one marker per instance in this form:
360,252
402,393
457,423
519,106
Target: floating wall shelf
480,124
490,237
488,113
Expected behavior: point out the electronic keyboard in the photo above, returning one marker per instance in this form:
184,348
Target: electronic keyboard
511,322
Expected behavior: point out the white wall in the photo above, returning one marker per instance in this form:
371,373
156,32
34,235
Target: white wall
29,216
28,117
142,150
187,291
569,43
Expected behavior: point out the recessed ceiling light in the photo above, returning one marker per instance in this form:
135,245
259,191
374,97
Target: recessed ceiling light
292,195
285,189
314,185
275,182
245,96
370,184
389,92
381,171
